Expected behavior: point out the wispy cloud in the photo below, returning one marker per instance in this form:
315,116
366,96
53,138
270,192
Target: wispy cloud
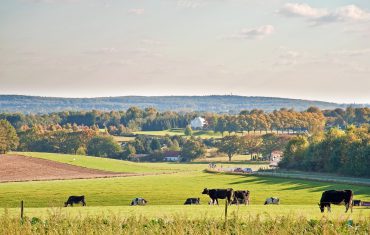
253,33
302,10
136,11
349,13
190,3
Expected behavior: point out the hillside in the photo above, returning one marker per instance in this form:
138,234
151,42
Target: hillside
231,104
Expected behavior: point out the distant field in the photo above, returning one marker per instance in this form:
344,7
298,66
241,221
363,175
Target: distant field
123,138
112,164
204,134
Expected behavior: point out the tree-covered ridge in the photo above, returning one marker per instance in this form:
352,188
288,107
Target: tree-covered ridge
216,103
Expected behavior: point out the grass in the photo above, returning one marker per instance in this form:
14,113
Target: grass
196,211
167,193
112,164
59,223
170,189
204,134
123,138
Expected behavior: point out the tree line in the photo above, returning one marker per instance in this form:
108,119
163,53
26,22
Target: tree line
149,119
337,151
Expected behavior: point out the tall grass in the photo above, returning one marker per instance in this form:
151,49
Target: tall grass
59,223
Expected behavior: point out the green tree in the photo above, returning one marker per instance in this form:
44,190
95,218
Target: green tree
155,144
103,146
8,137
192,149
230,145
188,131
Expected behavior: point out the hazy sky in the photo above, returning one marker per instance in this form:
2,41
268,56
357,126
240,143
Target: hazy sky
311,49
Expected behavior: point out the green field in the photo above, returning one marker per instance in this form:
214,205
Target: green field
166,193
204,134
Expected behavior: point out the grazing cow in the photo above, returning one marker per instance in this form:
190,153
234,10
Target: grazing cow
272,200
336,197
192,201
241,197
75,200
138,202
356,202
216,194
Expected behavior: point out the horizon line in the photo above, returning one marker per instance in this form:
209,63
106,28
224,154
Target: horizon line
231,95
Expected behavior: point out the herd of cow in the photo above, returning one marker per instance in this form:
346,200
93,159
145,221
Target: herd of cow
242,197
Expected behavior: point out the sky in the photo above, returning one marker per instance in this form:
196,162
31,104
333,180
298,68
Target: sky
309,49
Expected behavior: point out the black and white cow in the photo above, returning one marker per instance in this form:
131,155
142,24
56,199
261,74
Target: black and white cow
272,200
216,194
241,197
336,197
75,200
138,202
192,201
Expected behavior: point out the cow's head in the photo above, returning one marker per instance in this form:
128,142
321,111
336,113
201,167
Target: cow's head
65,204
205,191
322,207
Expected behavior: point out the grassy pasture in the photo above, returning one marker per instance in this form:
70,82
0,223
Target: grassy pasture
204,134
114,165
169,189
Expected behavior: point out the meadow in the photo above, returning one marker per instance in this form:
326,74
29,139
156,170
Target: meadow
108,199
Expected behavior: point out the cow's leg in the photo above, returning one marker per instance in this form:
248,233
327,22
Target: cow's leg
217,202
329,208
347,207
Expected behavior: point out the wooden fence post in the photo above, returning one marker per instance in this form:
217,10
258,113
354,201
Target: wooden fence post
22,209
226,205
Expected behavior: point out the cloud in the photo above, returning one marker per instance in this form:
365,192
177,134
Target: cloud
136,11
361,52
349,13
104,50
190,3
254,33
302,10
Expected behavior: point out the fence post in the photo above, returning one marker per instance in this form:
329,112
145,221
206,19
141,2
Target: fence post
226,205
22,209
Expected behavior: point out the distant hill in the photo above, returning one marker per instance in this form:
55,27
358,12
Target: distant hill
217,103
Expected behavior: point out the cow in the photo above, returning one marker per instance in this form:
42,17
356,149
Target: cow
192,201
356,202
75,200
216,194
138,202
241,197
336,197
272,200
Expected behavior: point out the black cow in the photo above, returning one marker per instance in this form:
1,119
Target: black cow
216,194
75,200
192,201
336,197
356,202
241,197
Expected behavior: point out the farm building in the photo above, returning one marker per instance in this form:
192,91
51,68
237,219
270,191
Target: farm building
198,123
275,158
171,156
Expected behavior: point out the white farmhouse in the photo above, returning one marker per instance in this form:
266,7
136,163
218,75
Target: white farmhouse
276,157
198,123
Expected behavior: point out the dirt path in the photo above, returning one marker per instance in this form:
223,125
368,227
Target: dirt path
15,168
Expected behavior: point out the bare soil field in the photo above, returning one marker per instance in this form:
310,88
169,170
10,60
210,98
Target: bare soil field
14,168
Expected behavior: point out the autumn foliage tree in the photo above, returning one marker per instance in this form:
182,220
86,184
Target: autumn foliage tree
8,137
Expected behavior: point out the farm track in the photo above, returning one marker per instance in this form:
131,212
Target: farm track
18,168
